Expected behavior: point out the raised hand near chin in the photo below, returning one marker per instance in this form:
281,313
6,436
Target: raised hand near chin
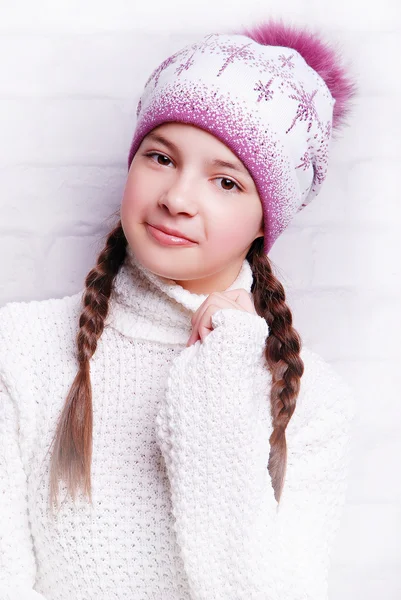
202,318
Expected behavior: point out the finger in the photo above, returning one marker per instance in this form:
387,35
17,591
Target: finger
205,324
193,338
239,299
242,297
198,317
217,299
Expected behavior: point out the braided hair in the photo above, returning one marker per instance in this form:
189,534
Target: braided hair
72,443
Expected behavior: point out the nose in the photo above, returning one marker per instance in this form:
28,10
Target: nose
179,197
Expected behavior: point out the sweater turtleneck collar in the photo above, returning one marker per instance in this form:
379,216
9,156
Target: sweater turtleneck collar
144,305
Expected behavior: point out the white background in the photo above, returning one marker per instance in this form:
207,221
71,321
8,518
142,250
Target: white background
71,76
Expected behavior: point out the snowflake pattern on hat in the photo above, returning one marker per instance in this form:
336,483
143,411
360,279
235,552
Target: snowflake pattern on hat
264,102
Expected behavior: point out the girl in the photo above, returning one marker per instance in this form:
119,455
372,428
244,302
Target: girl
200,452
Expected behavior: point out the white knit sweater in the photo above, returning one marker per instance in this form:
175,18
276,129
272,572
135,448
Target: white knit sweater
183,502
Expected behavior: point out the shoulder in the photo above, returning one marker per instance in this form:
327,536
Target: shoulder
319,372
21,318
28,328
325,396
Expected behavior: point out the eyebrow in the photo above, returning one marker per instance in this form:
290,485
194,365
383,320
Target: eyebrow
234,166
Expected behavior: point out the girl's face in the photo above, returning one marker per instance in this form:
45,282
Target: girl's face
174,182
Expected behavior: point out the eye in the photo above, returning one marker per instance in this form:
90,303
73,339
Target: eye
230,181
150,154
158,154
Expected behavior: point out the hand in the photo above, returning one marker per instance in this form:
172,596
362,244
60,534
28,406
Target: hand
202,318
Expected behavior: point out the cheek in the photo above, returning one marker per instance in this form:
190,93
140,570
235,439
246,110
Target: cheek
134,196
233,231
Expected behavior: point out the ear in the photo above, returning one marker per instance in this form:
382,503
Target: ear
260,233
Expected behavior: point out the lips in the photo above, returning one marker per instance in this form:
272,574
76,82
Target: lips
174,232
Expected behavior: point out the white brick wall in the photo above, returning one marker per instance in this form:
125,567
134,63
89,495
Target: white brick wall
72,73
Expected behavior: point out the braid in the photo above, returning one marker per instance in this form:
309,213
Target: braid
282,354
72,454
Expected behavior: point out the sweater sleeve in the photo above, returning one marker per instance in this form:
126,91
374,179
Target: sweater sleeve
213,428
314,493
17,560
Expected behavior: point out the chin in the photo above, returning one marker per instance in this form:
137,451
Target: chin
163,263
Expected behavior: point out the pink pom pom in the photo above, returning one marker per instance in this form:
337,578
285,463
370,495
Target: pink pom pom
318,54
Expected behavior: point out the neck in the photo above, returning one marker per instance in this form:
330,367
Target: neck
218,282
144,305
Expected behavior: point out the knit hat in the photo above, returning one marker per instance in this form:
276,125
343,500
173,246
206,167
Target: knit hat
272,94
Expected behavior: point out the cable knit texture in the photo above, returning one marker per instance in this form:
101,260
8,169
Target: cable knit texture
183,506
